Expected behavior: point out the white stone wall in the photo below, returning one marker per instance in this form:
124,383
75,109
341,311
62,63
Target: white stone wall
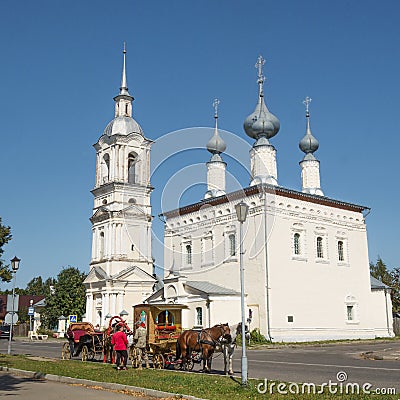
309,295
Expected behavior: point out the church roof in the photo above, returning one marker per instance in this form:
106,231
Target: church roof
210,288
258,189
377,284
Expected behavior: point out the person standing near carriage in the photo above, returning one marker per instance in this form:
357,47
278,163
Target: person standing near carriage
140,340
120,343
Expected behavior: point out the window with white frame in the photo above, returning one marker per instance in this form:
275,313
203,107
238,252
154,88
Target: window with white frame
296,244
232,244
340,249
350,313
199,316
320,247
188,254
351,306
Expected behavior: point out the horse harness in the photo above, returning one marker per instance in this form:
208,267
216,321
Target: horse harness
211,342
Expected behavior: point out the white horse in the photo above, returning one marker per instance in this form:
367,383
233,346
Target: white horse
228,347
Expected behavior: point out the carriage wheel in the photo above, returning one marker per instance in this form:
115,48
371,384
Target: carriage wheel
134,357
66,352
158,361
85,353
177,365
91,355
188,366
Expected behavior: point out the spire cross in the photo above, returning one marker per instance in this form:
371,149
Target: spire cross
307,102
215,105
259,65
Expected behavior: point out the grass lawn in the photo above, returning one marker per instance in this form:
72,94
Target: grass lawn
204,386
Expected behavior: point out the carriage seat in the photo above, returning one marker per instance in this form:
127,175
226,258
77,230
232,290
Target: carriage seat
75,335
164,327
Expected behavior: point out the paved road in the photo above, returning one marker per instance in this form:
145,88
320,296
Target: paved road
311,364
21,388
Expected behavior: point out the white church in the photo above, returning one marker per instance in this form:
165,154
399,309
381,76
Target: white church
305,255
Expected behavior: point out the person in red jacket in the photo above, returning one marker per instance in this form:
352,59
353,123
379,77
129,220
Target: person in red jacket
120,343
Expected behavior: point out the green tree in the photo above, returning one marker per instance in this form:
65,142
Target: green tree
36,287
67,296
5,237
395,274
380,271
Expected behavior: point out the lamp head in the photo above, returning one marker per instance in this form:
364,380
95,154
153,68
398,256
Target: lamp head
241,211
15,263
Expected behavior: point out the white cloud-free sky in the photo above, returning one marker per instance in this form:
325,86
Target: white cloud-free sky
61,66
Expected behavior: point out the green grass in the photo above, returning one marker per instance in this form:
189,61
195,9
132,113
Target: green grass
204,386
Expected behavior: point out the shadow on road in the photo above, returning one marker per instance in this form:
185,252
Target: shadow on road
10,383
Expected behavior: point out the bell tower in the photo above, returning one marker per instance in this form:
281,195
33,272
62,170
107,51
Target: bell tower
121,265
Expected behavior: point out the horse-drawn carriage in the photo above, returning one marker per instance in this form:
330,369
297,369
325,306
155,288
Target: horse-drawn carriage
84,341
164,325
170,346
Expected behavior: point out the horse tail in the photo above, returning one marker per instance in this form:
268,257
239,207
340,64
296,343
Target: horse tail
178,350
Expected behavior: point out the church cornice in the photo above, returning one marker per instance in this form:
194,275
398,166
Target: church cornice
270,189
122,139
111,187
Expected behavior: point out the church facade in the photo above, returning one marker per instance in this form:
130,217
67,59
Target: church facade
305,255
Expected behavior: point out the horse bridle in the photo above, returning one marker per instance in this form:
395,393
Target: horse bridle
214,342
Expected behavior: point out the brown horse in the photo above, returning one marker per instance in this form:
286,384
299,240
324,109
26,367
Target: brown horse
203,341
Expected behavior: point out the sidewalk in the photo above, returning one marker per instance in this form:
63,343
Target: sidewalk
145,394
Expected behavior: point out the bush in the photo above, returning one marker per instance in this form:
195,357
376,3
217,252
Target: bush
43,331
255,338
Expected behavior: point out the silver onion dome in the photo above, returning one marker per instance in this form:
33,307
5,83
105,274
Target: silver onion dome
216,144
308,144
261,122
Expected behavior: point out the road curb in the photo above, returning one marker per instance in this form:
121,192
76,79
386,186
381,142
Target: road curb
105,385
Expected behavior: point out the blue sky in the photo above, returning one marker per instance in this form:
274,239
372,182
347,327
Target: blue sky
60,68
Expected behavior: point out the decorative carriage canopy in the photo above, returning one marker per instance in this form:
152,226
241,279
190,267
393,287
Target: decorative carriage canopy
163,321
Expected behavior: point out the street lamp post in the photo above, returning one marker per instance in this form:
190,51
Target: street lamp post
14,265
241,213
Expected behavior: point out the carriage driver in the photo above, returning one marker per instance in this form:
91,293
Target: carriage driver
140,340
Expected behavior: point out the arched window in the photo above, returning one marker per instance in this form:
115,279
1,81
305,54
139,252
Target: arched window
188,254
320,252
132,160
296,243
101,252
232,245
199,316
105,169
340,249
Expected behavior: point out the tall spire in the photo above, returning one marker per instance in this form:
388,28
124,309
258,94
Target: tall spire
216,166
308,144
261,124
123,101
216,145
123,90
309,165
